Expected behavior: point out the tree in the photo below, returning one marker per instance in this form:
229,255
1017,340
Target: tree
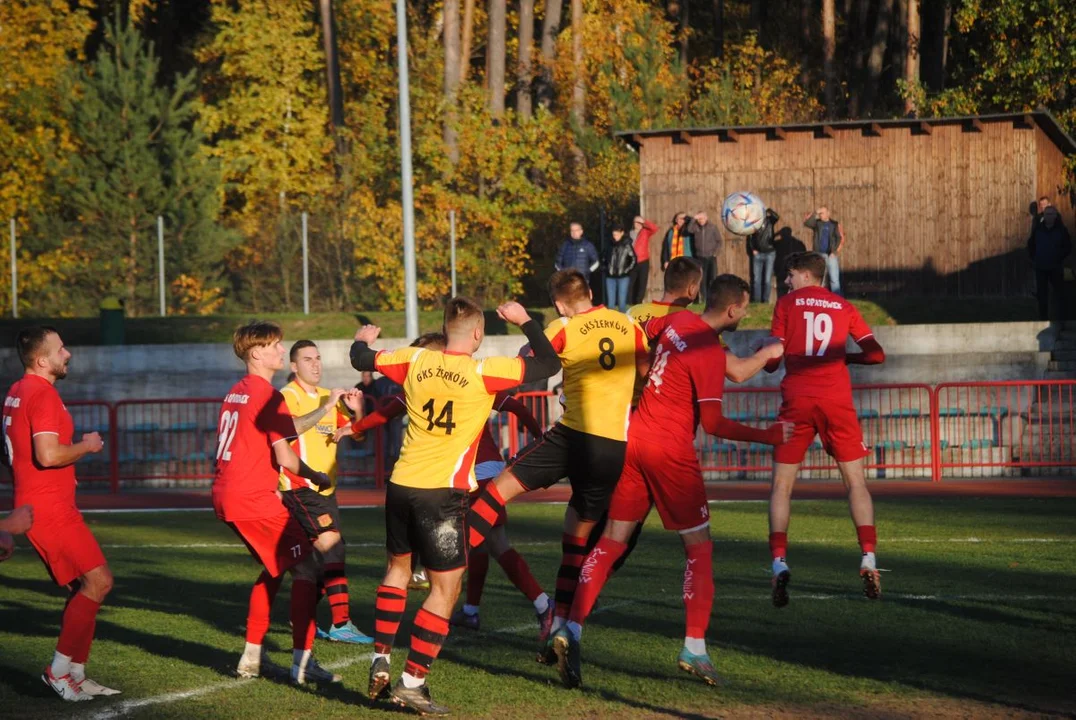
523,63
468,34
879,41
140,155
911,62
497,53
451,76
829,51
550,30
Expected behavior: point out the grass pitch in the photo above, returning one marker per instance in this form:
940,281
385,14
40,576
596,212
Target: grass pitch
976,621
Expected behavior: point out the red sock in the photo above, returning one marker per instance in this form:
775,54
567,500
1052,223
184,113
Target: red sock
77,627
427,637
868,537
574,549
592,577
388,611
304,601
261,601
779,544
698,588
517,570
336,592
484,513
477,567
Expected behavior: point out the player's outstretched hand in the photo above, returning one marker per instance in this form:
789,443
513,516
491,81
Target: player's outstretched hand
353,401
341,433
93,442
335,394
367,334
7,545
514,313
19,521
772,349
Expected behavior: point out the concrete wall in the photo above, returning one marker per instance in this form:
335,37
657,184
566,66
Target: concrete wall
915,354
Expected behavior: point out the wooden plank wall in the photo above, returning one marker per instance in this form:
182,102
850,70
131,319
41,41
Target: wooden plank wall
941,210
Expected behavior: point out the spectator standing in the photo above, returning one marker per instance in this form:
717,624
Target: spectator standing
641,232
787,245
828,240
763,249
577,252
619,263
1048,246
678,241
707,243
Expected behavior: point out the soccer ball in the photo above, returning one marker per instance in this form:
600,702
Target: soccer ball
743,213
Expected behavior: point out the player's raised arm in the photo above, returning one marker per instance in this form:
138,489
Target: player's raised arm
392,408
740,370
363,358
544,362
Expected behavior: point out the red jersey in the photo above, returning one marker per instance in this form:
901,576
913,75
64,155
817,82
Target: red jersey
814,325
33,407
253,418
688,368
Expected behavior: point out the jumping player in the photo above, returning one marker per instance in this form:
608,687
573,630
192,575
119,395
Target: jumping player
488,464
602,351
814,325
317,414
449,396
38,434
685,387
252,448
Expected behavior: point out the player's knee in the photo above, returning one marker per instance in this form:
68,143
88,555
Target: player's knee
327,542
97,584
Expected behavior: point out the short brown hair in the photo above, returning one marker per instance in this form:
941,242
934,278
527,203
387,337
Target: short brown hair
726,290
430,340
568,286
462,314
30,341
256,333
812,262
681,272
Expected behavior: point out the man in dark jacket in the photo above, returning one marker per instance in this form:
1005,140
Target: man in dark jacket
577,252
1048,246
828,240
763,254
619,263
707,245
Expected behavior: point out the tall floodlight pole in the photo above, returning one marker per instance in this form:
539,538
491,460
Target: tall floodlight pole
160,260
452,233
410,275
306,271
14,276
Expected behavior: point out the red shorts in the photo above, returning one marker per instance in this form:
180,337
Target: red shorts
667,478
835,421
502,516
68,549
278,542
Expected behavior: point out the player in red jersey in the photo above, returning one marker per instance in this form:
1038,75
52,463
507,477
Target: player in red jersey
488,464
685,387
814,325
38,435
252,446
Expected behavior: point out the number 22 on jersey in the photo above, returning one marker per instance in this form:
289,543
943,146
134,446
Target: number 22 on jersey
820,331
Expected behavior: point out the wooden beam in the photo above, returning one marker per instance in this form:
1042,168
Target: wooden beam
925,128
730,136
973,125
1024,123
685,137
826,131
778,133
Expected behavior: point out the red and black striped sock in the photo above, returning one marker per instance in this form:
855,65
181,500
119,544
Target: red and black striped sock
486,508
574,550
427,636
336,592
388,611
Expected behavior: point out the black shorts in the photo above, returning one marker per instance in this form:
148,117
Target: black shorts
429,521
591,463
316,513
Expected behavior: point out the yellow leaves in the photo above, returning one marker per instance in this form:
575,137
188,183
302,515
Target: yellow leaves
189,296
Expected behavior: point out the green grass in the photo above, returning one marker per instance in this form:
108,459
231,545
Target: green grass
966,628
322,326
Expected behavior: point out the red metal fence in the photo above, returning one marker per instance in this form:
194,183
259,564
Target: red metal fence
995,429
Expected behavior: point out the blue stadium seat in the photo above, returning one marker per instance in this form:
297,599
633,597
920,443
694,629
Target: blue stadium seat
890,445
996,411
952,412
199,456
182,427
904,413
978,444
926,445
867,413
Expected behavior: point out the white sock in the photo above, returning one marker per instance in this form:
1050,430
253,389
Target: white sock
558,623
387,658
252,652
541,603
78,672
300,658
695,646
575,629
470,610
779,564
411,682
868,561
61,665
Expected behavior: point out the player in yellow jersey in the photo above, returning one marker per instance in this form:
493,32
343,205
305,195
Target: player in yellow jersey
317,413
601,351
449,396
